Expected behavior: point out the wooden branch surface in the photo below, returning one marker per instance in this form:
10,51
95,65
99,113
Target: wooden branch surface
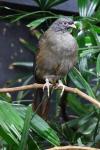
72,148
67,89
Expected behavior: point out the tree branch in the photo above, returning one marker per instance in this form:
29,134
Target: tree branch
67,89
72,148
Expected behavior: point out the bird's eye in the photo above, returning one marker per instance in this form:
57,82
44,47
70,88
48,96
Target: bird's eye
64,23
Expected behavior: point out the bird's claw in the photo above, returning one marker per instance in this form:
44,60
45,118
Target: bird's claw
60,84
47,85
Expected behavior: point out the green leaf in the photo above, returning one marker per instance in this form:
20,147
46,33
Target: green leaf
87,124
68,132
47,4
96,15
77,79
92,7
5,97
11,123
21,94
38,22
11,18
74,79
78,107
87,36
21,16
83,65
32,144
25,131
44,130
81,122
90,50
98,65
41,127
41,3
96,29
52,3
83,6
86,7
81,39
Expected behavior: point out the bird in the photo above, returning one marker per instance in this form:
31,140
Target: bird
57,53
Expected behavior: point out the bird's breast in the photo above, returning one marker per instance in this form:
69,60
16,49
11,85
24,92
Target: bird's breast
62,43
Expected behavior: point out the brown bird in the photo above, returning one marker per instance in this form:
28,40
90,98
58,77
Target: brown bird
57,53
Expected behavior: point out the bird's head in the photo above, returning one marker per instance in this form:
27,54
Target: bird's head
63,24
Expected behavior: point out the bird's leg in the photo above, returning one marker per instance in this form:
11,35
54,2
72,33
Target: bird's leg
47,85
60,84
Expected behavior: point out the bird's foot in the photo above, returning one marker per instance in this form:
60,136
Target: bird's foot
47,85
60,84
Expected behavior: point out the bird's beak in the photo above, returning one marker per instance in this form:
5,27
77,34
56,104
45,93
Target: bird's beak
72,26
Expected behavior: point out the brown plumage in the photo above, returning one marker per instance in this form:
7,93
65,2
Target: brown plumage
57,51
57,54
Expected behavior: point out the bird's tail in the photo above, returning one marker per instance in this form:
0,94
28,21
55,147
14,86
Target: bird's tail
41,102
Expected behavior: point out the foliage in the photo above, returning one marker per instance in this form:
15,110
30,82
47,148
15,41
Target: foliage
45,5
24,127
12,125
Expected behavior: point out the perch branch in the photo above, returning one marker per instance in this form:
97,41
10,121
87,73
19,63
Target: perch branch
72,148
67,89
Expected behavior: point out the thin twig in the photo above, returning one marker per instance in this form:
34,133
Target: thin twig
21,88
67,89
